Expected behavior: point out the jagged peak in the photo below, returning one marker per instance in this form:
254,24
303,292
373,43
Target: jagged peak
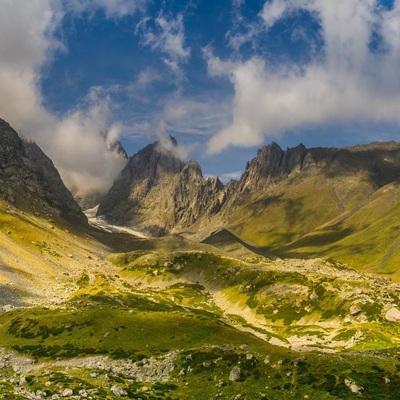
192,170
173,140
192,164
267,149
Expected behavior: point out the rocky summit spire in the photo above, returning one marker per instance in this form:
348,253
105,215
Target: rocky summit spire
157,191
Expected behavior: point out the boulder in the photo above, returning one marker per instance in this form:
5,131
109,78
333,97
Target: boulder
354,310
67,393
118,391
234,375
392,315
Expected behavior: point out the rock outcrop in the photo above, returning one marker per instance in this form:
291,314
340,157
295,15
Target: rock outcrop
380,161
29,180
157,192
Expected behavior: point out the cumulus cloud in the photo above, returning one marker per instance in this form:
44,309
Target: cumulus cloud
354,81
73,141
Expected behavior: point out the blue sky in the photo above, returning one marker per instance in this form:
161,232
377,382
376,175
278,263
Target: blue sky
223,77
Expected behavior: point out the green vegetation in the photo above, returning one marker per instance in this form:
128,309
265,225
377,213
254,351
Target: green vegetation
202,322
312,218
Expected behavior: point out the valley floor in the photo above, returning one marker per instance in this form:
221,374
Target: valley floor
97,315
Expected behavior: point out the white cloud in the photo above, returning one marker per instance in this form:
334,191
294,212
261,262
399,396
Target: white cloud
352,83
274,10
165,143
73,141
111,8
146,78
167,36
243,31
215,66
195,117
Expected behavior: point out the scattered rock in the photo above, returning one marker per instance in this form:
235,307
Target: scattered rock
298,361
314,296
358,335
234,375
267,360
227,347
118,391
354,310
7,308
353,386
362,318
249,356
393,315
244,347
67,393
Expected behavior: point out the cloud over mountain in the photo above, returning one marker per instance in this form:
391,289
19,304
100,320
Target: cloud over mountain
353,79
72,140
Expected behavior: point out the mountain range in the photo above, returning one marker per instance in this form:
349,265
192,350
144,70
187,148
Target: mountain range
299,202
241,290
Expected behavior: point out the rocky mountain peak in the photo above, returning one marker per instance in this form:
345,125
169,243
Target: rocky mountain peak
156,157
271,165
27,173
149,170
191,172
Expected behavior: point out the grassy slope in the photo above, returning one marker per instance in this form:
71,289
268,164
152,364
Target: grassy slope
368,239
39,254
140,328
315,219
279,299
109,313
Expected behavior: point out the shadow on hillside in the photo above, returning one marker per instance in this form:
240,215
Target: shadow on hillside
124,243
227,240
322,243
9,296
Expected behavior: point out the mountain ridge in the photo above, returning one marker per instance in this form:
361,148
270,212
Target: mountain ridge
281,197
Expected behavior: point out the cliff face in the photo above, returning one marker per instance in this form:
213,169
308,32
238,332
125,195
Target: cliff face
29,180
195,196
156,192
272,165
